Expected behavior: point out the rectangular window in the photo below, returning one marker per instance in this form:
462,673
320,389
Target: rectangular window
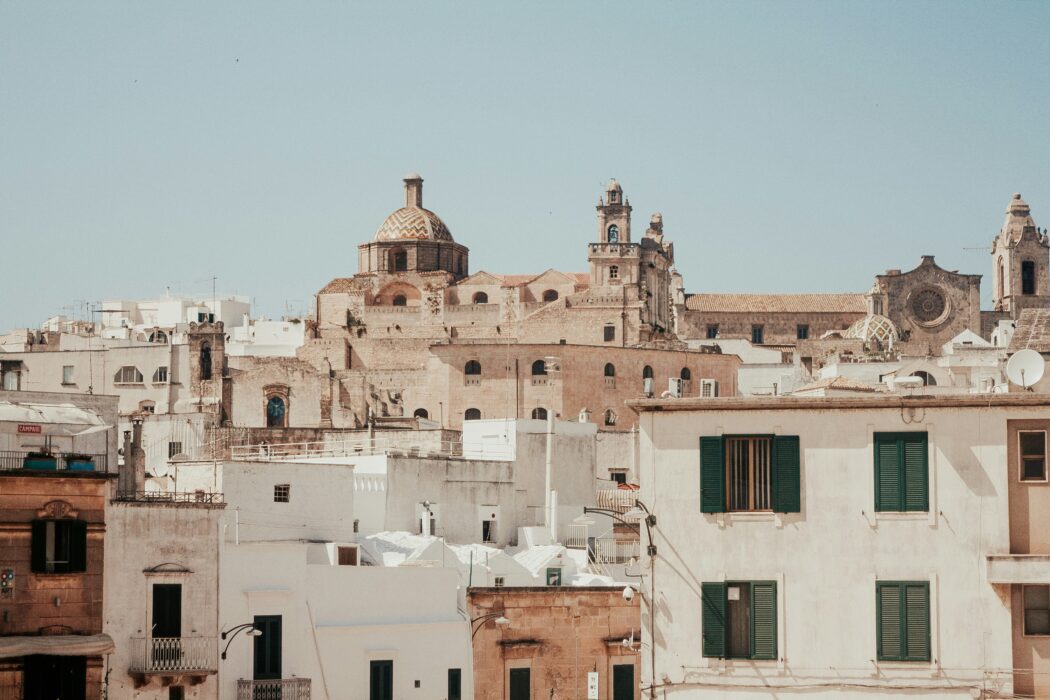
739,620
756,335
618,477
347,556
160,376
802,331
712,331
59,546
1032,446
381,683
176,692
282,493
610,334
745,473
455,684
1036,610
903,622
749,473
554,577
174,448
67,374
488,530
498,582
901,474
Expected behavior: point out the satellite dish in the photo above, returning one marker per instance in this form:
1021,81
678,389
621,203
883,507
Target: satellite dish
1025,368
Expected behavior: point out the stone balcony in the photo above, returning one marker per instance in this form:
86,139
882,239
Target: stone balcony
1019,568
171,658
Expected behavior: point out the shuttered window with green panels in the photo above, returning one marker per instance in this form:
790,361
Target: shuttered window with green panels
903,622
901,472
739,620
750,473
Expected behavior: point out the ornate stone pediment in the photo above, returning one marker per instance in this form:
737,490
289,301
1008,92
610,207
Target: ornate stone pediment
57,510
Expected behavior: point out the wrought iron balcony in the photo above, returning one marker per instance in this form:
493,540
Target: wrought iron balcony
52,461
283,689
174,656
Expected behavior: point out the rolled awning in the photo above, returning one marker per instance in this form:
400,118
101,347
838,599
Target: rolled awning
58,645
48,419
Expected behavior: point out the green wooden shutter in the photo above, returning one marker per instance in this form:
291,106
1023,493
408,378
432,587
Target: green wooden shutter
916,471
713,619
764,620
712,475
38,551
887,473
787,478
77,545
888,621
917,620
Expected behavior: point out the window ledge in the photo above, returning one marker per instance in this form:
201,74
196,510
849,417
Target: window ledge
930,666
750,516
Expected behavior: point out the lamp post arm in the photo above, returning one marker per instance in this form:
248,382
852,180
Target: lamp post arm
232,634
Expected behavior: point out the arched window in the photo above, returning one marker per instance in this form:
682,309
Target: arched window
610,417
400,300
158,336
927,378
275,412
399,261
614,233
481,298
614,272
472,414
610,369
1002,278
647,372
685,374
1027,277
421,413
539,368
550,295
205,360
539,413
472,368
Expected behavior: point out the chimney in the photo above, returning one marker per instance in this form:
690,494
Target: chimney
413,190
126,475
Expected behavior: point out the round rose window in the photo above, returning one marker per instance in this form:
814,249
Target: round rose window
929,306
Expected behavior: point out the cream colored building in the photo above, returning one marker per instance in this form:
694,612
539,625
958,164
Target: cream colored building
845,546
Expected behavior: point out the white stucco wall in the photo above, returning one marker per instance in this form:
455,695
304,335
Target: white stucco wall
827,559
336,619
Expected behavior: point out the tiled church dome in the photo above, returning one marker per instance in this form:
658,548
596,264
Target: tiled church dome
412,221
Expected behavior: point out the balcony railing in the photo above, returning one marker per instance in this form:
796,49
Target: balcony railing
398,445
174,655
284,689
194,497
64,461
612,551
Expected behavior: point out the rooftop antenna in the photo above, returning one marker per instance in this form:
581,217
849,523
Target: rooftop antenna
1025,368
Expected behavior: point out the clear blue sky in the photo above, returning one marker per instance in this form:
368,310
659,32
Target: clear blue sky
790,146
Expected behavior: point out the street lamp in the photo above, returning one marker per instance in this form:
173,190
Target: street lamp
248,628
500,619
640,512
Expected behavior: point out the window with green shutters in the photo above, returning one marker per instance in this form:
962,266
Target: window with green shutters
901,472
750,473
903,620
739,620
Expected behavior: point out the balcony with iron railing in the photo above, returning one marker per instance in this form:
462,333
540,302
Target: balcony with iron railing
76,462
396,446
173,656
283,689
198,497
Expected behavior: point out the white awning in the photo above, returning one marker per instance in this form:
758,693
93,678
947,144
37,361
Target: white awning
48,419
58,645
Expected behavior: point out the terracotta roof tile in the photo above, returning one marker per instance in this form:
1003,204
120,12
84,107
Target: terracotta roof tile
339,284
1033,331
777,303
837,383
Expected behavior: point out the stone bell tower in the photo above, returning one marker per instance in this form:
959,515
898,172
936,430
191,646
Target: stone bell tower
613,259
1020,262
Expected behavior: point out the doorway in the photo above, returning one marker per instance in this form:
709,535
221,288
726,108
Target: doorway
381,682
50,677
520,684
623,682
266,665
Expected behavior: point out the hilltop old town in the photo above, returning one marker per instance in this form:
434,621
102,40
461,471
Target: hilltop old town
449,483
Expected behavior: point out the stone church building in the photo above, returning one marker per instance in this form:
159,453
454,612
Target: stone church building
416,333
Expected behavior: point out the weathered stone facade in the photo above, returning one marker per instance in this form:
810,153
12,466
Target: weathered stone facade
553,637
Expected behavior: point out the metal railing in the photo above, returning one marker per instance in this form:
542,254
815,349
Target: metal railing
613,551
403,446
192,497
174,655
64,461
283,689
